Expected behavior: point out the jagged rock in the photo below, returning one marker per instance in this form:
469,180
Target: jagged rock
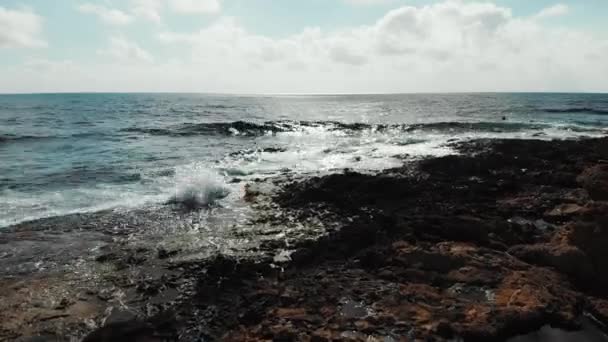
569,209
595,180
452,248
565,258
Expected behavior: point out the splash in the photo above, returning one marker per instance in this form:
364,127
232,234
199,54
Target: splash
197,187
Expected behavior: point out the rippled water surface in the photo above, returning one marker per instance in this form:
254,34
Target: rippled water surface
70,153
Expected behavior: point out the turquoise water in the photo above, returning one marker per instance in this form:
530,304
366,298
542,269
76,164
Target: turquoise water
66,153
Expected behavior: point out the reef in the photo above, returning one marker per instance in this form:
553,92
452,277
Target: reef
501,240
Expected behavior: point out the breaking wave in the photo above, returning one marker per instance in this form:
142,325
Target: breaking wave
477,126
251,129
221,128
575,110
196,187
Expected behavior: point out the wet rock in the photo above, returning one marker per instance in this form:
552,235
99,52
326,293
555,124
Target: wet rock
569,209
124,332
41,338
107,257
566,259
540,224
494,243
587,332
575,249
118,315
165,254
274,149
595,180
293,314
592,239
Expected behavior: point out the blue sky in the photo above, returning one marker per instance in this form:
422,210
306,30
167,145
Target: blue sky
297,46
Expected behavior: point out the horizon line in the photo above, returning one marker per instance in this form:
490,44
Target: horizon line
300,94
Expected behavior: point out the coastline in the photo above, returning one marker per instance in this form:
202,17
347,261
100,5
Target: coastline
496,242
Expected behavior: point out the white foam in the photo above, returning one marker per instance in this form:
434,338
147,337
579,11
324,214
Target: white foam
192,184
196,186
20,207
313,149
308,149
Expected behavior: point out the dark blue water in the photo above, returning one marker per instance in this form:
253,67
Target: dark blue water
64,153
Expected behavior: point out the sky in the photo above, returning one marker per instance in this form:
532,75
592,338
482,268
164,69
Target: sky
303,46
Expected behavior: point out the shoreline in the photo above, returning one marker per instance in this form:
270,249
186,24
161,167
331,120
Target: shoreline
499,241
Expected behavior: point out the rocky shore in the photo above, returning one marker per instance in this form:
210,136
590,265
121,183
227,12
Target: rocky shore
500,241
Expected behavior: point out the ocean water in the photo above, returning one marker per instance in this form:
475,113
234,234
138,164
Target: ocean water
70,153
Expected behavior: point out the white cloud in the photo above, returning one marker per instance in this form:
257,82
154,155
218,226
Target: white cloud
449,46
45,65
150,10
108,15
436,31
367,2
453,45
125,51
147,9
553,11
20,28
195,6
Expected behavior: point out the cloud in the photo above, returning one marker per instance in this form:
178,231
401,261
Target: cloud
150,10
367,2
553,11
110,16
342,54
125,51
20,28
195,6
45,65
452,45
468,46
147,9
453,27
436,31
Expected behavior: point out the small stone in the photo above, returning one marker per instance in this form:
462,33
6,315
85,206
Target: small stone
569,209
164,254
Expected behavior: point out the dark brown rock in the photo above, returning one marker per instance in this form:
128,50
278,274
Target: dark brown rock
565,258
448,248
595,180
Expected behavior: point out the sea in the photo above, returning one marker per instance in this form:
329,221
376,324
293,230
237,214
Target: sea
62,154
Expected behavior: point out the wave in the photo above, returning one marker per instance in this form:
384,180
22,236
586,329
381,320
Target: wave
246,129
151,131
574,110
8,138
198,188
219,106
15,138
237,128
251,129
477,126
77,176
449,126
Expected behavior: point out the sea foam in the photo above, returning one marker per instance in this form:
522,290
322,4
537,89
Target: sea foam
197,187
